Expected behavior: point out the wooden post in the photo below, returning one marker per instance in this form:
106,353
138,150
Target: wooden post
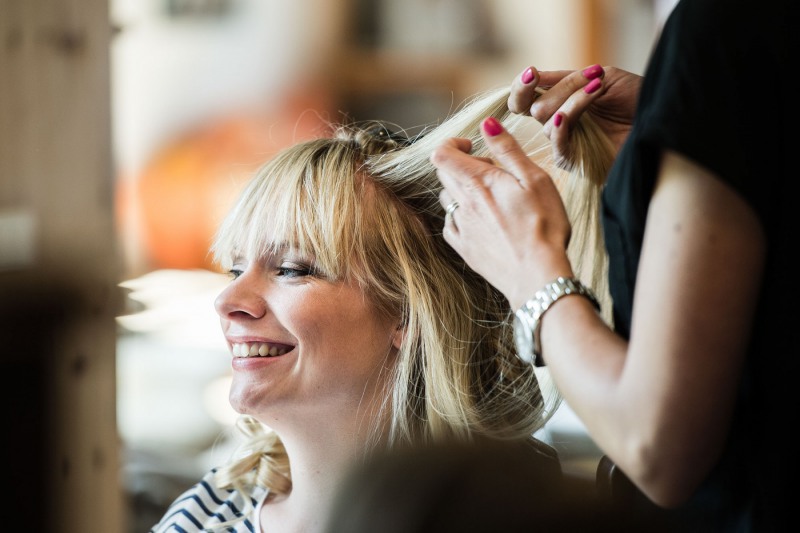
58,269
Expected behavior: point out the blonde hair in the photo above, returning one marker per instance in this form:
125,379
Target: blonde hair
365,204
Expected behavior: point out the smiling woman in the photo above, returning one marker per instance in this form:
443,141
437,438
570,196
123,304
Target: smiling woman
354,328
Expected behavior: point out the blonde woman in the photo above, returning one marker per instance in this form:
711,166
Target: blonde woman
354,327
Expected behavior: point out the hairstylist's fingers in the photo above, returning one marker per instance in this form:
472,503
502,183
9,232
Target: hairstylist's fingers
528,86
457,169
508,153
558,133
571,94
524,91
450,207
462,144
549,78
445,199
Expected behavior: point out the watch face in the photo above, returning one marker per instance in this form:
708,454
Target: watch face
523,339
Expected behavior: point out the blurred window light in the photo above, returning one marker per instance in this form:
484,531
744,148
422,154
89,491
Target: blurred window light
183,9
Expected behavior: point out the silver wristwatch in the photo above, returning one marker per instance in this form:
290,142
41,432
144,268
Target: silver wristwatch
528,318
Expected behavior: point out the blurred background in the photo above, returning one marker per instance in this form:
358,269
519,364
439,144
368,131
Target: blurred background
129,128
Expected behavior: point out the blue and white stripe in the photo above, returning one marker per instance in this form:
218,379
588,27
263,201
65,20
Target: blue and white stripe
203,506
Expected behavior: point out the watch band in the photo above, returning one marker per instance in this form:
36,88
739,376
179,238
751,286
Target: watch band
544,298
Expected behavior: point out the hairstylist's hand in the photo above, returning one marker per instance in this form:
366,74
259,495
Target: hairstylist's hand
510,225
609,95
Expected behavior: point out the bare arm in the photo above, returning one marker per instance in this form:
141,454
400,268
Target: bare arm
660,405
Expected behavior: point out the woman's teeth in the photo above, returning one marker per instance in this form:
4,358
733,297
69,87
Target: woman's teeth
257,350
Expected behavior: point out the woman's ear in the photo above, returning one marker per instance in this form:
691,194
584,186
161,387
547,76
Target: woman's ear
399,335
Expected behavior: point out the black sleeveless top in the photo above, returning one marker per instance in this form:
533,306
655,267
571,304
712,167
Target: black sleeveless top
718,89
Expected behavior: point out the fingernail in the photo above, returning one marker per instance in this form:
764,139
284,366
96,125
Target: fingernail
557,119
527,75
592,86
595,71
492,127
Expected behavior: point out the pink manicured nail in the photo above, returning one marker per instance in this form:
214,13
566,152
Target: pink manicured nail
492,127
592,86
527,76
557,119
595,71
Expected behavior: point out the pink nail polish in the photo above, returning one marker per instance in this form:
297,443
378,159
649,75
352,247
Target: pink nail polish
527,76
492,127
592,86
595,71
557,119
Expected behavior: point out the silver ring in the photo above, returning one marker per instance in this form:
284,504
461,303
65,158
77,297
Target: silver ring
452,206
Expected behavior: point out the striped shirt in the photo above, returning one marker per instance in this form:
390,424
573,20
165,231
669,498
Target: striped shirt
203,506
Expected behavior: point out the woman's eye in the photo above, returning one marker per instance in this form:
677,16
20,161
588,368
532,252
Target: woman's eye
294,270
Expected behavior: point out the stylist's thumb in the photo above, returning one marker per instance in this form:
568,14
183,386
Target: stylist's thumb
505,149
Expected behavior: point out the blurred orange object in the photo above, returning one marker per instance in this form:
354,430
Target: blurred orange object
168,215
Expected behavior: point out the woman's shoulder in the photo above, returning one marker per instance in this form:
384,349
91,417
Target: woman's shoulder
206,505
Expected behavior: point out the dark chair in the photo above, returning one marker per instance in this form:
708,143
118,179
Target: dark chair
613,486
485,487
626,504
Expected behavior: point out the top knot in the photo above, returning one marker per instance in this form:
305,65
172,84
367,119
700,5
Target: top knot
381,131
373,137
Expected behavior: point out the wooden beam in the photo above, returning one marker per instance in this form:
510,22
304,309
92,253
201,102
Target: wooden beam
59,273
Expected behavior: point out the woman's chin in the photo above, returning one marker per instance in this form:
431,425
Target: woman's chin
244,400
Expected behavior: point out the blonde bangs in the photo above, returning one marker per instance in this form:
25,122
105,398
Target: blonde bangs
304,199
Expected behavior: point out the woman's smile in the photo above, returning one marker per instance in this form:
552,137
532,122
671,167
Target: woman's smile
259,349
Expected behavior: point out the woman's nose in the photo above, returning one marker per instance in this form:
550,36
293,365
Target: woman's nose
240,299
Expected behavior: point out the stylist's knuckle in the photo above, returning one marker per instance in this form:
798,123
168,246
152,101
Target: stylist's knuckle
479,190
539,111
506,147
515,105
438,155
473,187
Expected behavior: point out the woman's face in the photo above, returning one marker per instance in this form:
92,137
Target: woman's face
304,348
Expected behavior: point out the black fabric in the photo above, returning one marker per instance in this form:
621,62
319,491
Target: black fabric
719,90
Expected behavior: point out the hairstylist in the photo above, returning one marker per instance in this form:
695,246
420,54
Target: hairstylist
690,393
